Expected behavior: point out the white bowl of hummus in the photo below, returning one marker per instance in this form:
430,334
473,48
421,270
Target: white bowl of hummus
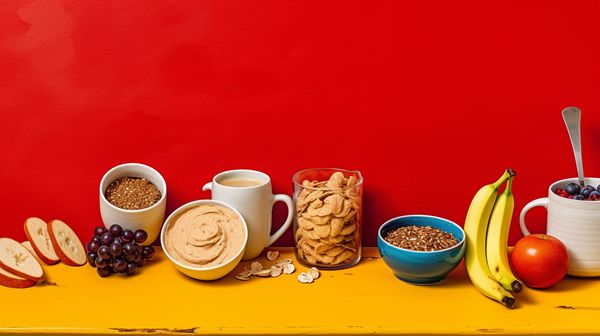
205,239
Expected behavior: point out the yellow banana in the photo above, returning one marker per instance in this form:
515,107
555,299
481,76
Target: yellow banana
497,240
476,225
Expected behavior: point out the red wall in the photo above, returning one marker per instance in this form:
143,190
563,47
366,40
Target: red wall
430,100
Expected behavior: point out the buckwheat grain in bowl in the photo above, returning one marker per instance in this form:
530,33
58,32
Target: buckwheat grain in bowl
420,238
428,255
205,239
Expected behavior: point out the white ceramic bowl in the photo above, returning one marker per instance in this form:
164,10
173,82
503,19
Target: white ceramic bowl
149,219
209,273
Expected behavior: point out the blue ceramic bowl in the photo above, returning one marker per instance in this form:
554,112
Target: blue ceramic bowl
421,267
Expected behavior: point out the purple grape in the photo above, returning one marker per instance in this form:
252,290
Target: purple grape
129,249
116,249
103,271
104,252
140,236
119,264
131,269
127,236
118,240
101,262
92,247
97,240
140,263
107,238
148,252
116,230
91,256
99,230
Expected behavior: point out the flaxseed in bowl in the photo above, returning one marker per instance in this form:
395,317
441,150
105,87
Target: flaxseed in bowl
421,249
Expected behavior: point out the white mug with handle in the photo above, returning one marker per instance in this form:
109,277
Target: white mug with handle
575,223
250,193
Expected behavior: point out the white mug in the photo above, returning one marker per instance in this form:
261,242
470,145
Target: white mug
255,203
576,224
149,219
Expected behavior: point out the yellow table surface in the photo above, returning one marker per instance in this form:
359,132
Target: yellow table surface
364,299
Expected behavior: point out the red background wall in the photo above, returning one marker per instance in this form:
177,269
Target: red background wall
430,100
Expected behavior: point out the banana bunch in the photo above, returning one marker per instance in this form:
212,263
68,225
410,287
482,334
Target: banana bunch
486,227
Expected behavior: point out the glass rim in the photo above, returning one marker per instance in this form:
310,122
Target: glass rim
359,183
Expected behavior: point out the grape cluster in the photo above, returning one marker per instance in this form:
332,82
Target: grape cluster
117,250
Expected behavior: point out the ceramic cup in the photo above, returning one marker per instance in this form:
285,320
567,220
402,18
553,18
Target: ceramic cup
575,223
149,219
255,203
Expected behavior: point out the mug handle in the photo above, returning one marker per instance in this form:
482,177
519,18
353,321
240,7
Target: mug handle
288,221
207,186
538,202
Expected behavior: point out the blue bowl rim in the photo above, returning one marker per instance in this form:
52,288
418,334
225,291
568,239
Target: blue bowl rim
411,251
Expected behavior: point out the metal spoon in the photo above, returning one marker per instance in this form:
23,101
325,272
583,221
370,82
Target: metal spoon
572,117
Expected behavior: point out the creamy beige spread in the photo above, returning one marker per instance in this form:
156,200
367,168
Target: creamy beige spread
205,236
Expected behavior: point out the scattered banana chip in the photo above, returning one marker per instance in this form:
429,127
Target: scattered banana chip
314,273
289,269
244,275
272,255
256,267
284,265
305,278
283,262
275,271
263,273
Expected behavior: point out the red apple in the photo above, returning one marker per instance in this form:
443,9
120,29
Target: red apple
540,260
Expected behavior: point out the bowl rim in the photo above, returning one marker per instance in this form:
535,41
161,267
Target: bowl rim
200,202
160,202
380,238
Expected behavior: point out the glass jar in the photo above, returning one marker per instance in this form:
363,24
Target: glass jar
328,217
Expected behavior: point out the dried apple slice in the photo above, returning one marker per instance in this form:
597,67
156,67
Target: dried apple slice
66,244
8,279
16,259
36,231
